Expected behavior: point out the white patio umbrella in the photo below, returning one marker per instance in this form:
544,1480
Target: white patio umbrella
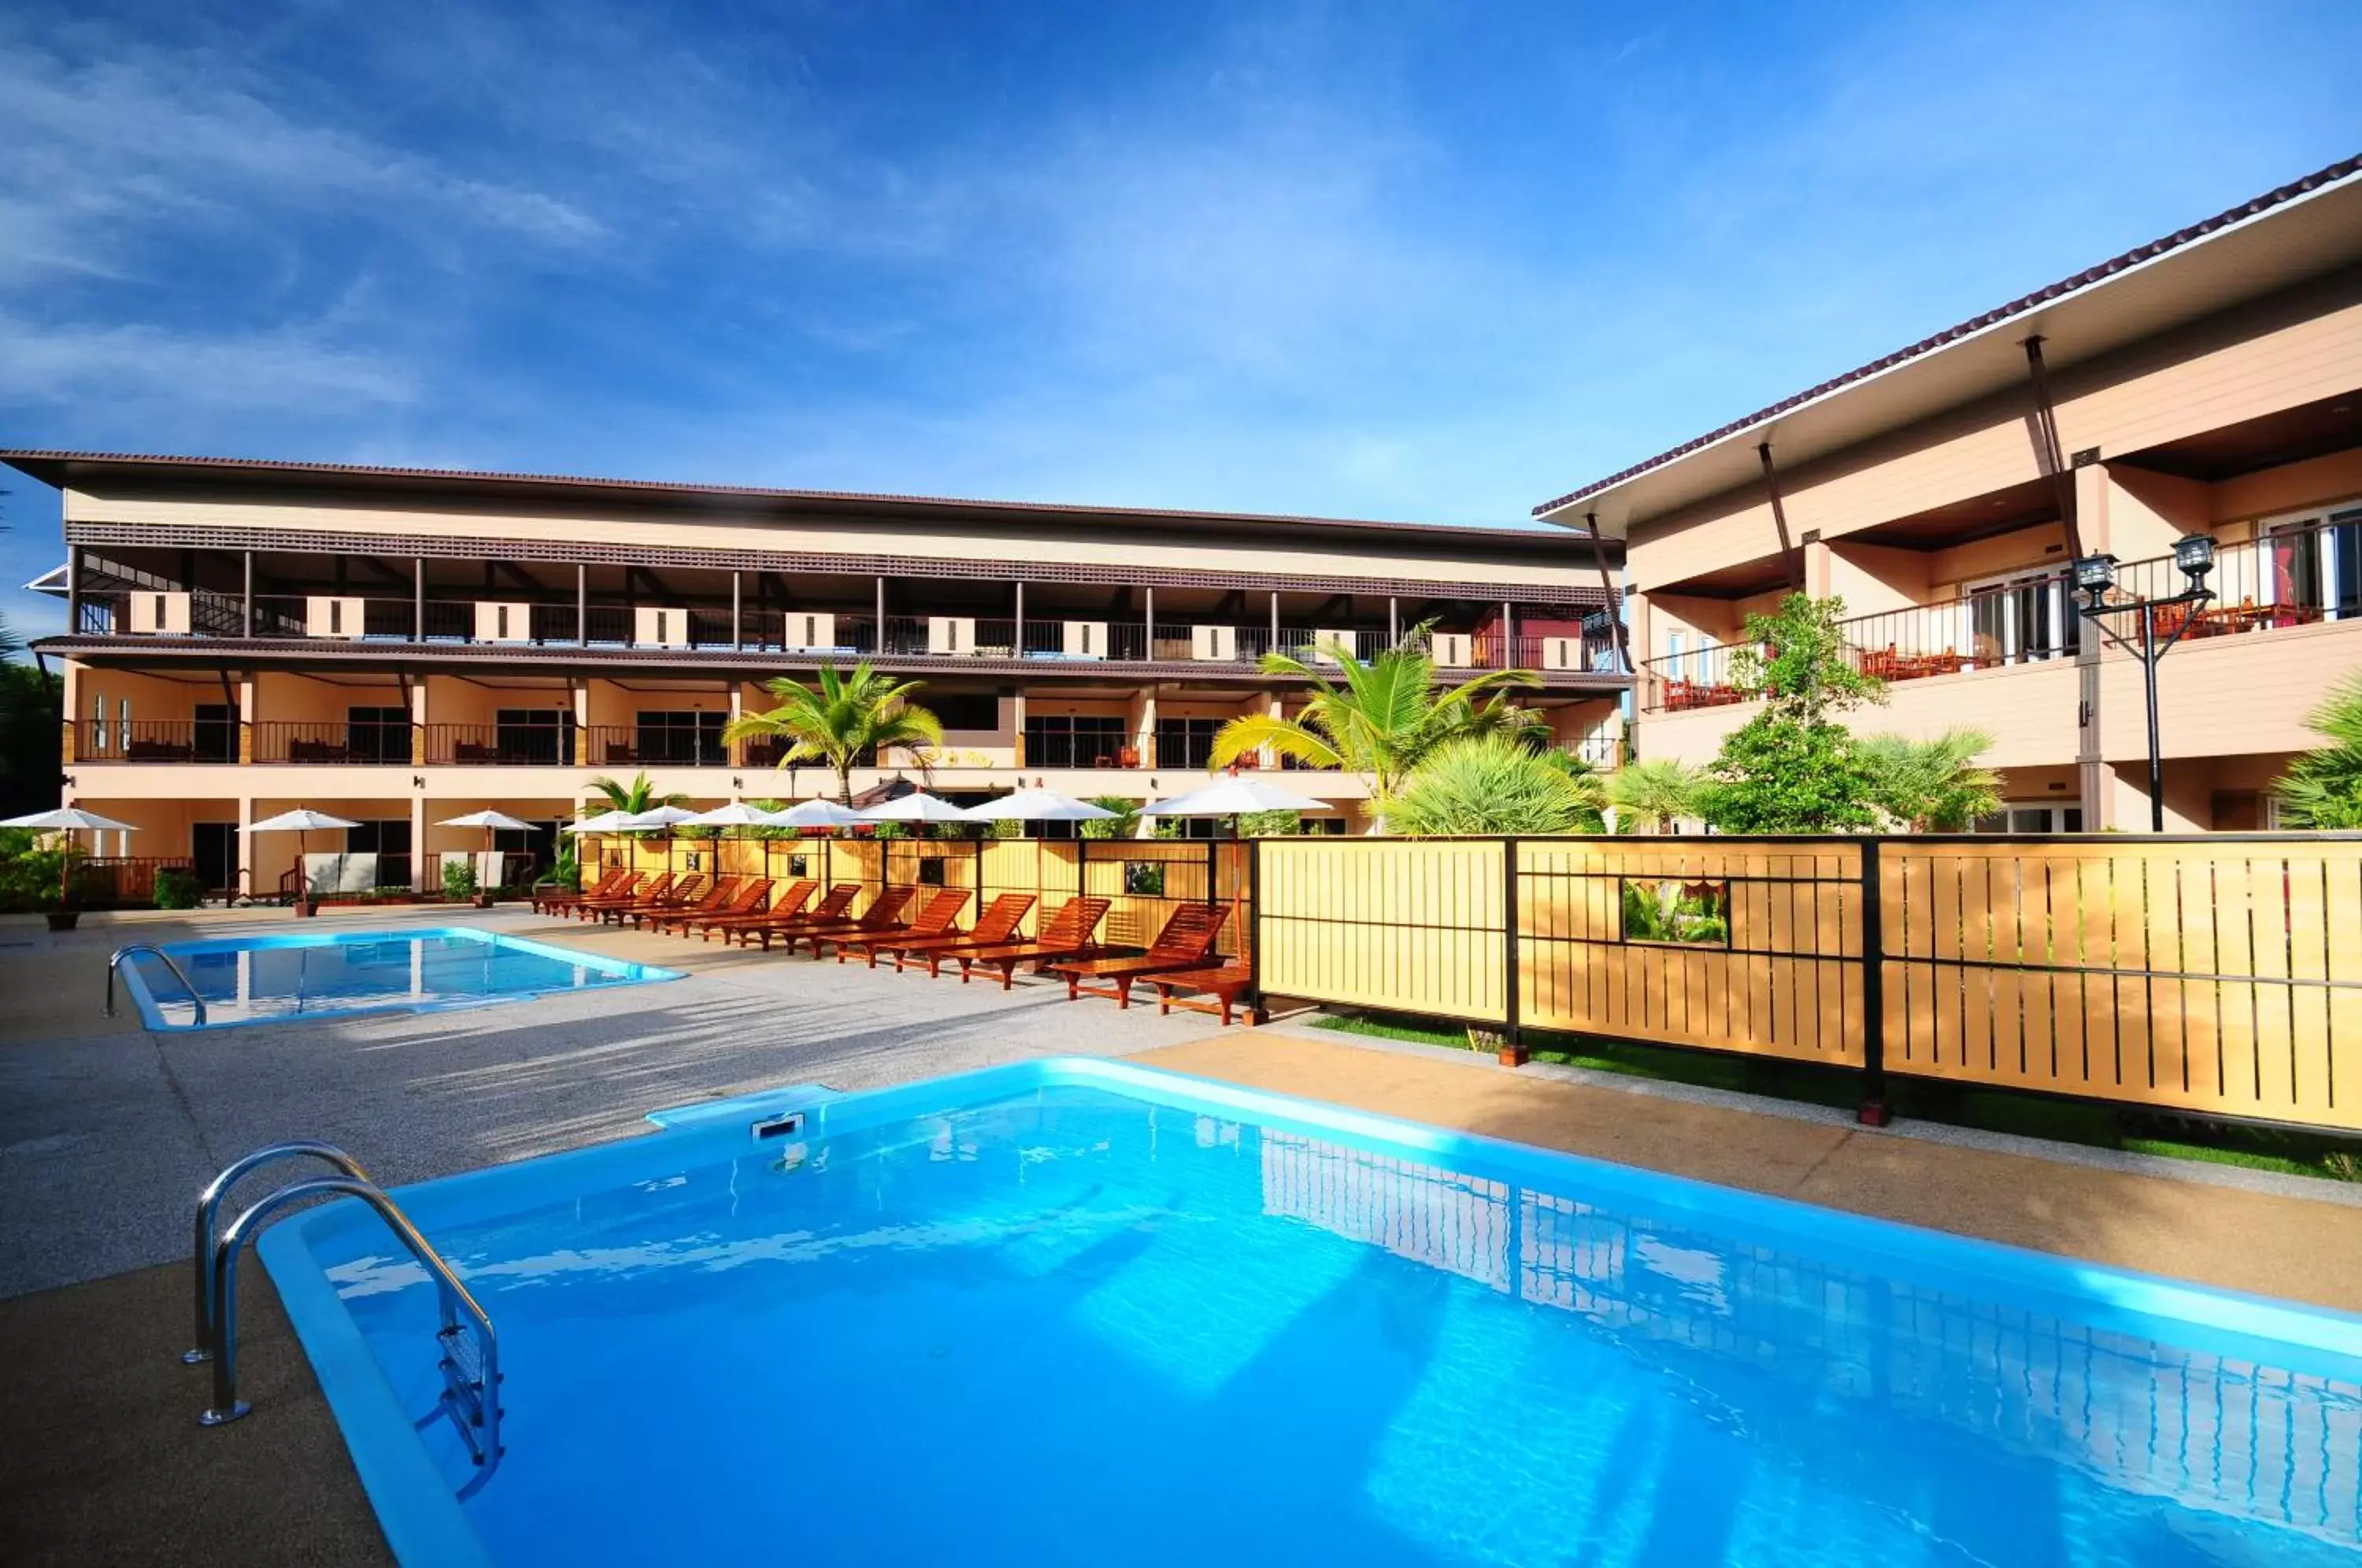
605,822
814,813
299,821
69,819
738,813
487,820
1039,806
1233,796
918,806
657,817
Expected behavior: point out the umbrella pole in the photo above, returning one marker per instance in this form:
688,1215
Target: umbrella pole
303,893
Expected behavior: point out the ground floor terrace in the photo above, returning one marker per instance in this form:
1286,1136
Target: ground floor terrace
103,1459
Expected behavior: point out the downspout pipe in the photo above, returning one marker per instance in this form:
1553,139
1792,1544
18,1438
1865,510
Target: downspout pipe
1614,601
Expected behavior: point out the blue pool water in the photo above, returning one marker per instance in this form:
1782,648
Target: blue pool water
260,980
1084,1313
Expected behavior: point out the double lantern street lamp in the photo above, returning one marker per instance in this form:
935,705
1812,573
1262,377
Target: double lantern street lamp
2095,579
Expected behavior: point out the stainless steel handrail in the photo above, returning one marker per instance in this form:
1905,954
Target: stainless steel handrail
171,963
481,1425
209,1204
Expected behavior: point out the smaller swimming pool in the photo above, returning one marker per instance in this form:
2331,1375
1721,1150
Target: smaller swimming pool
268,979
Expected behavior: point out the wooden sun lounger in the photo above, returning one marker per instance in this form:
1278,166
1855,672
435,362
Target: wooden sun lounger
1225,983
1067,934
787,906
559,898
683,894
934,919
884,914
997,924
745,898
591,906
717,899
830,908
1183,944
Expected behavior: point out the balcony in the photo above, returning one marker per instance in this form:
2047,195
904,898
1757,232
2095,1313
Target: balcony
813,633
2298,577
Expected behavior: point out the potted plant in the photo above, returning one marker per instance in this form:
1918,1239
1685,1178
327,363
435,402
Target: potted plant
459,884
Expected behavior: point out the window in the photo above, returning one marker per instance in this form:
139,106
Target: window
2316,563
681,737
388,840
1073,740
531,735
964,709
376,734
2021,619
214,738
1185,743
2032,817
213,847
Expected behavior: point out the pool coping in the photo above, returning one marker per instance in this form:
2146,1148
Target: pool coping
152,1015
424,1523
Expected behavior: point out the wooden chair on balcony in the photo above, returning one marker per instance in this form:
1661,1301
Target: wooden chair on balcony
1187,937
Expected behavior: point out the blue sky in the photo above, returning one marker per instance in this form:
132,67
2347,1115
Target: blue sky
1420,261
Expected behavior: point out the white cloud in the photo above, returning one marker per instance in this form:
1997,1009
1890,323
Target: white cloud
285,370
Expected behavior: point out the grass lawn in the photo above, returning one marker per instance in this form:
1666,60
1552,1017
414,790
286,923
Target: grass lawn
1958,1104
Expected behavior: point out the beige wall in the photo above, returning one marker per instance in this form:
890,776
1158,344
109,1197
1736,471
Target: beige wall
2229,696
2277,355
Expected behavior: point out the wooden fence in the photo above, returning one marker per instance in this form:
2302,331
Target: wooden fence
2219,974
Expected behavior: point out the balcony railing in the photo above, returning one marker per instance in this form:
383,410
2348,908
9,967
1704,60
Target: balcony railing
368,744
2296,577
640,745
1063,639
501,745
156,740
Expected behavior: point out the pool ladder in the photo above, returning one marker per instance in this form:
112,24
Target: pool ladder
115,962
470,1351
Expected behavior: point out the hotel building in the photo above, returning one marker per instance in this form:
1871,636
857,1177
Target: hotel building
2209,383
400,646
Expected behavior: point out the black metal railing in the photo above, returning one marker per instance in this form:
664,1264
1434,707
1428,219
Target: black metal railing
156,740
332,740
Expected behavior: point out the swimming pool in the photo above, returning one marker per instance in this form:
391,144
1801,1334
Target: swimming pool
266,980
1083,1312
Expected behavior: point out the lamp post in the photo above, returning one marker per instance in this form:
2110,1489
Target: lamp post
2095,577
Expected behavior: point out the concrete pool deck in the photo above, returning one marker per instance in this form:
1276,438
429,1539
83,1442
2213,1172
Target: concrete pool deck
107,1131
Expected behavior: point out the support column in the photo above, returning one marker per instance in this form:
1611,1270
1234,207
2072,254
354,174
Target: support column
416,695
1017,640
737,633
1017,711
418,855
1148,628
1780,519
418,600
1275,620
246,719
582,602
1394,620
246,845
880,633
73,590
246,606
1508,635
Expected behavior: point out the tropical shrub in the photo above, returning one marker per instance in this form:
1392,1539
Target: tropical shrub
1932,786
1493,784
177,887
1656,794
2323,788
840,718
459,880
1793,768
1125,823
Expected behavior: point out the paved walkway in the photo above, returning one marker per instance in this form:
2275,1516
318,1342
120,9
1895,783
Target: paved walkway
2273,1244
107,1131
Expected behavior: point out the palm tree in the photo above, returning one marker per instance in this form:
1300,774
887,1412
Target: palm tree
839,719
1932,786
1381,718
637,796
1657,793
2324,788
1495,784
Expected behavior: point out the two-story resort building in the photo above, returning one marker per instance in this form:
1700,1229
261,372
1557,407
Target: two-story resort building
2207,385
397,646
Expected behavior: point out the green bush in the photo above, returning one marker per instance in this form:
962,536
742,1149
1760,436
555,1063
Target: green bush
459,880
177,887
